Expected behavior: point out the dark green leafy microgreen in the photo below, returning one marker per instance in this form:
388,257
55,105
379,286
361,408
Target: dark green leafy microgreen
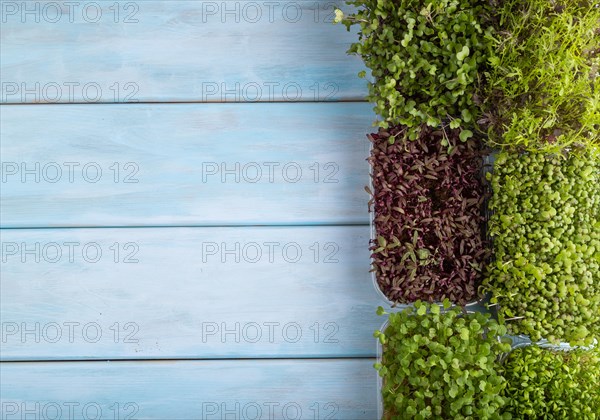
425,57
543,87
546,231
428,198
441,364
552,384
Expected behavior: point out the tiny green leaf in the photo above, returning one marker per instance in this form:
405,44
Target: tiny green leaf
465,135
464,53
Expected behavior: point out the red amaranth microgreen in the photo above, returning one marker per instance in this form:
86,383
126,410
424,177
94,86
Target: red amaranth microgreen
428,196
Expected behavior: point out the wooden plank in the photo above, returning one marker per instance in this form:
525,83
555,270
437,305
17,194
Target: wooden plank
193,293
176,51
184,164
231,389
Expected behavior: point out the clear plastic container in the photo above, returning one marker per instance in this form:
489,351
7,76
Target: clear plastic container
380,360
379,378
488,163
520,341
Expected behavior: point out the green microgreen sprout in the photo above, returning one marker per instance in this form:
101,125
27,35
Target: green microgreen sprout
425,58
441,362
543,88
552,384
545,226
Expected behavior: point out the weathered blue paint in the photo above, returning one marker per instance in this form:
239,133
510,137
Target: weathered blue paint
311,159
178,276
338,388
262,292
190,50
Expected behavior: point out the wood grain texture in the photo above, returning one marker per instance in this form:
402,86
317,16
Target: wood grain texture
193,293
177,51
296,164
281,389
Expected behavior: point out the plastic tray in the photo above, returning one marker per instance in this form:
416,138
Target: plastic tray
488,163
379,378
520,341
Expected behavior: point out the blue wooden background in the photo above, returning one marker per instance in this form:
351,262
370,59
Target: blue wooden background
183,220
